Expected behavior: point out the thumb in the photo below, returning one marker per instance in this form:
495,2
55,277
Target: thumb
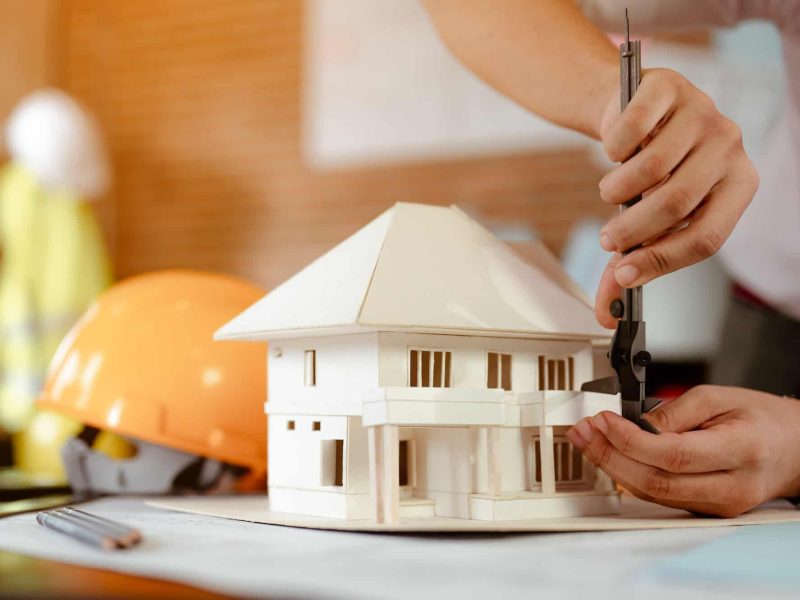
689,411
607,291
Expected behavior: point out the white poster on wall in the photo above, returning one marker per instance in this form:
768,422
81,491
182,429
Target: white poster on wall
380,86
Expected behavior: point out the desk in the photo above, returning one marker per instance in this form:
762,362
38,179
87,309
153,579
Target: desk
26,578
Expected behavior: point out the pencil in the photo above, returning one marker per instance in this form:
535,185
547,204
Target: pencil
124,534
70,527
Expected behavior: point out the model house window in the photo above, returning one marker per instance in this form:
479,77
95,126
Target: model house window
316,426
430,368
311,367
332,463
290,425
567,461
556,373
498,371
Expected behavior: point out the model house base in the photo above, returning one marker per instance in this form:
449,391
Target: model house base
634,514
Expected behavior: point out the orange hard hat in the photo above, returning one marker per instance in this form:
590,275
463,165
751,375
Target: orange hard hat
142,363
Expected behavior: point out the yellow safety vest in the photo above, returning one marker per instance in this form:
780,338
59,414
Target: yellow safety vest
53,264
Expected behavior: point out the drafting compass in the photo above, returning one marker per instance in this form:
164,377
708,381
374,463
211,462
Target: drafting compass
628,355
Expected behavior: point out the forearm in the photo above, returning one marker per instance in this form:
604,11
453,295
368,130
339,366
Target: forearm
544,54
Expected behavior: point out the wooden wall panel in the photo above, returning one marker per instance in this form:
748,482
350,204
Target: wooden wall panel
201,102
29,38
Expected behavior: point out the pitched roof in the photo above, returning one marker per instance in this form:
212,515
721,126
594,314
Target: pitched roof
420,268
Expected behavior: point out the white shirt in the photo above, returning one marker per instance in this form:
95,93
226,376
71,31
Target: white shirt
763,253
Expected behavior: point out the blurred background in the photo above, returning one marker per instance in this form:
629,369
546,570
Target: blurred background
251,136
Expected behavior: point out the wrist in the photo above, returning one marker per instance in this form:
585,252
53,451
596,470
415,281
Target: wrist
603,101
791,488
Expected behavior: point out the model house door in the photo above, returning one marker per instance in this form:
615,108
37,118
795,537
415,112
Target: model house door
406,464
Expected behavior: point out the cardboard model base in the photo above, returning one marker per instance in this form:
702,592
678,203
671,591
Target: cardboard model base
636,514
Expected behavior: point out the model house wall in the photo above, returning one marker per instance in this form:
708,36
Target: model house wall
318,387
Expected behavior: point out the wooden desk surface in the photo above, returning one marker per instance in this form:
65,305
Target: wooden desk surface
23,577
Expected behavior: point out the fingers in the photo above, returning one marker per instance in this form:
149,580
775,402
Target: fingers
710,226
607,291
666,206
720,493
653,101
652,481
707,493
691,452
696,407
653,163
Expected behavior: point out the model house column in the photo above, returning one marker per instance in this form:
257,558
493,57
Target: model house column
384,469
547,458
375,437
495,460
391,474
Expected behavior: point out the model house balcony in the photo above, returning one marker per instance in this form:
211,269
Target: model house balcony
423,406
427,406
555,407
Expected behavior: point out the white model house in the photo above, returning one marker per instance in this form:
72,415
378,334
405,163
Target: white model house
422,368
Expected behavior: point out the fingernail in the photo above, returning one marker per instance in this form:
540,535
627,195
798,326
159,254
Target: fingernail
601,186
575,438
606,243
601,423
626,274
584,427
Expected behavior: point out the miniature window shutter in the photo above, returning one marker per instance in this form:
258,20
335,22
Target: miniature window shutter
311,367
429,368
498,371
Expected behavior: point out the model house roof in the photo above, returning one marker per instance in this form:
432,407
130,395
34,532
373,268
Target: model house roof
420,268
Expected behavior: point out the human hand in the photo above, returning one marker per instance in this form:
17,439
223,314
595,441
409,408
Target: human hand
694,173
722,450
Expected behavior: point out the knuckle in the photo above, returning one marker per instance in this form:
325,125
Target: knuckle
744,502
666,79
655,484
626,443
677,458
677,203
756,454
621,234
604,456
653,167
613,150
752,497
635,119
752,177
707,243
726,127
640,494
658,261
662,418
705,390
707,109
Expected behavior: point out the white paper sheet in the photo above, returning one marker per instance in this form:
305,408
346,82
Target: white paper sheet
251,560
635,514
